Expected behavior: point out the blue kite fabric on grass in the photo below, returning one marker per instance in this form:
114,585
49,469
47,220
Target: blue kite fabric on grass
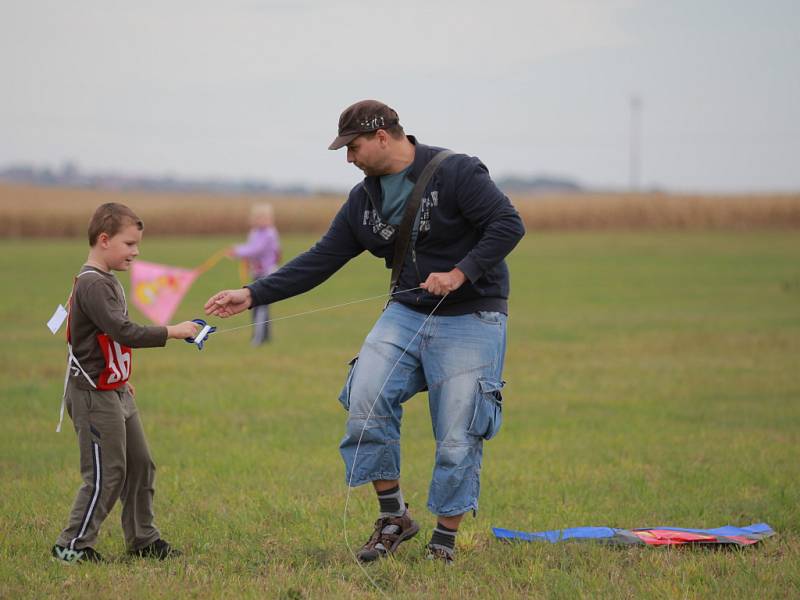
649,536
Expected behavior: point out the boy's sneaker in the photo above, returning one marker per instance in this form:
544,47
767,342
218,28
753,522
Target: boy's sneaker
389,533
159,549
442,553
73,557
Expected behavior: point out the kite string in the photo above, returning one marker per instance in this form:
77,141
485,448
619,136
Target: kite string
372,407
358,445
315,310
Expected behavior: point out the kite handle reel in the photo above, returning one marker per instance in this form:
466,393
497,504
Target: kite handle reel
201,337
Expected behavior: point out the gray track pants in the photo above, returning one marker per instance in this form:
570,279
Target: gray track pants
261,330
115,464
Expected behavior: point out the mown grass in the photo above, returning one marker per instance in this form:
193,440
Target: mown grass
653,380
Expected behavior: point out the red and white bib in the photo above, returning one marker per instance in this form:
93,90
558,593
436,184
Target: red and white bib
119,360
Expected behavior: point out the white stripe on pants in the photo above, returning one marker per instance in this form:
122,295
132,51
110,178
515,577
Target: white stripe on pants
97,487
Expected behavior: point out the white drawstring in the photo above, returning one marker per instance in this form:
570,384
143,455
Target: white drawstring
71,357
70,360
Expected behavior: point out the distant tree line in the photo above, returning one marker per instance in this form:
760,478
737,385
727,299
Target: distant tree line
70,175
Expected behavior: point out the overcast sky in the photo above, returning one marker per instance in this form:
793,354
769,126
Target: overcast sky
255,88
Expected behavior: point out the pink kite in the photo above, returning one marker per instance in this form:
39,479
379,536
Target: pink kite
159,289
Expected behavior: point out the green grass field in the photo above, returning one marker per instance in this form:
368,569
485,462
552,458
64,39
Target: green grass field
653,379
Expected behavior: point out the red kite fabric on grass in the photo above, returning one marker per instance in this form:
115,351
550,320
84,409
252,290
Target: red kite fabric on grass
656,536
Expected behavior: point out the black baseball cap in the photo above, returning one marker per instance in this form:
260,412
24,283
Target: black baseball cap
363,117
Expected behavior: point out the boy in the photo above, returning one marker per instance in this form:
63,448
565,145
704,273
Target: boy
115,460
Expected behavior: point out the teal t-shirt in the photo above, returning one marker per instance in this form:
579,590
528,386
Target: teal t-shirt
396,189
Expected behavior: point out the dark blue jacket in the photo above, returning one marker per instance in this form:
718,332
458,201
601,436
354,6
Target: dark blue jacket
465,221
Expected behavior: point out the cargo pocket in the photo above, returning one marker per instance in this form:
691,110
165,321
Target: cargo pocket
488,414
344,395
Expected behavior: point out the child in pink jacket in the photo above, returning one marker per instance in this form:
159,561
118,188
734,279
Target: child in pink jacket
262,251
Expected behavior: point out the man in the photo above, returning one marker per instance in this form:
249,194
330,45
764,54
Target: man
444,329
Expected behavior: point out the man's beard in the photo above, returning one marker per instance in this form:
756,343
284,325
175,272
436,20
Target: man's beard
374,171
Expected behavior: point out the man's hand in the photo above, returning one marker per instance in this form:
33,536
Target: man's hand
131,389
184,330
441,284
229,302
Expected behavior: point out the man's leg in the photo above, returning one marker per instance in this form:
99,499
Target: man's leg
381,379
463,361
390,498
452,522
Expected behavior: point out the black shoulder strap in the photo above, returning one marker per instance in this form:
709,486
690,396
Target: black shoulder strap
410,214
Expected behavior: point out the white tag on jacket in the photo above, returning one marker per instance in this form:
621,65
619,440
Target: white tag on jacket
57,320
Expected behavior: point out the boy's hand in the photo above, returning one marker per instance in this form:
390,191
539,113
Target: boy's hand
229,302
184,330
131,389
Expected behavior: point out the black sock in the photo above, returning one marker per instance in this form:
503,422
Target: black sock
391,502
444,536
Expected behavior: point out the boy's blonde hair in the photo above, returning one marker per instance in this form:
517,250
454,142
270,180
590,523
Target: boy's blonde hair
110,218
